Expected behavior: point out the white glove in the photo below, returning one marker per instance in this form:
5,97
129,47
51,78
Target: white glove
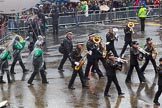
118,60
107,43
76,63
90,52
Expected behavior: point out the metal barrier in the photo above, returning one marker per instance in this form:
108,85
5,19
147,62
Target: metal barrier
94,17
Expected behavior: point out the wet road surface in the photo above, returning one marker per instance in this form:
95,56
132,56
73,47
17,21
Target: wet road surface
57,95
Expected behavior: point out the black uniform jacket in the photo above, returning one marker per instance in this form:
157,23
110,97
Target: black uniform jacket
134,56
110,38
128,34
91,47
111,68
75,56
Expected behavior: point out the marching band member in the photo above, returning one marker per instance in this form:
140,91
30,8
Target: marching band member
128,38
38,63
110,38
4,65
112,66
75,58
17,48
91,58
150,48
134,56
158,93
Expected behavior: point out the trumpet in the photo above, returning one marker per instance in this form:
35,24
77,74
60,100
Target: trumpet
143,51
118,59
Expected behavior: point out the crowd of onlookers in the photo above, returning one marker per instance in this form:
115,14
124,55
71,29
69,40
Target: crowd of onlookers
65,7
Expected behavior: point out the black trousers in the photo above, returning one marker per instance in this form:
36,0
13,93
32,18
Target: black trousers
35,72
14,63
111,79
140,74
81,75
113,51
103,60
55,29
158,93
96,67
142,24
125,47
146,63
65,56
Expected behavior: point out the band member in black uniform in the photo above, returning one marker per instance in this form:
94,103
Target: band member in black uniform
65,48
128,38
134,56
110,38
91,58
150,48
17,47
158,93
112,66
101,54
76,58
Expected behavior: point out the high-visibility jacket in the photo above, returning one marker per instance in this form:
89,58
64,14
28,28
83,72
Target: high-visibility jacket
142,13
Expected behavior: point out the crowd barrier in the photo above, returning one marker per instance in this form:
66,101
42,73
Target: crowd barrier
93,17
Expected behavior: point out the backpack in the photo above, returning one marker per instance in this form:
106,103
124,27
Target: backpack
61,48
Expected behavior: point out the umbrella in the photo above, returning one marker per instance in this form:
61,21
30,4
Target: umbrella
47,2
16,6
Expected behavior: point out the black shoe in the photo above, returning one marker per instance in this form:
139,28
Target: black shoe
12,72
61,70
10,82
72,88
25,70
157,103
46,82
30,83
143,81
107,95
85,86
2,82
121,94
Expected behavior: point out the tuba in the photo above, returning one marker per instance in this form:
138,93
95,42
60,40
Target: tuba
97,39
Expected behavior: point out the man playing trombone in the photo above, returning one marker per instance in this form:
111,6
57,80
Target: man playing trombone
150,48
128,30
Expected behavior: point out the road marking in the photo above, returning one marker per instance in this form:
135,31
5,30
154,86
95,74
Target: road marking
150,23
